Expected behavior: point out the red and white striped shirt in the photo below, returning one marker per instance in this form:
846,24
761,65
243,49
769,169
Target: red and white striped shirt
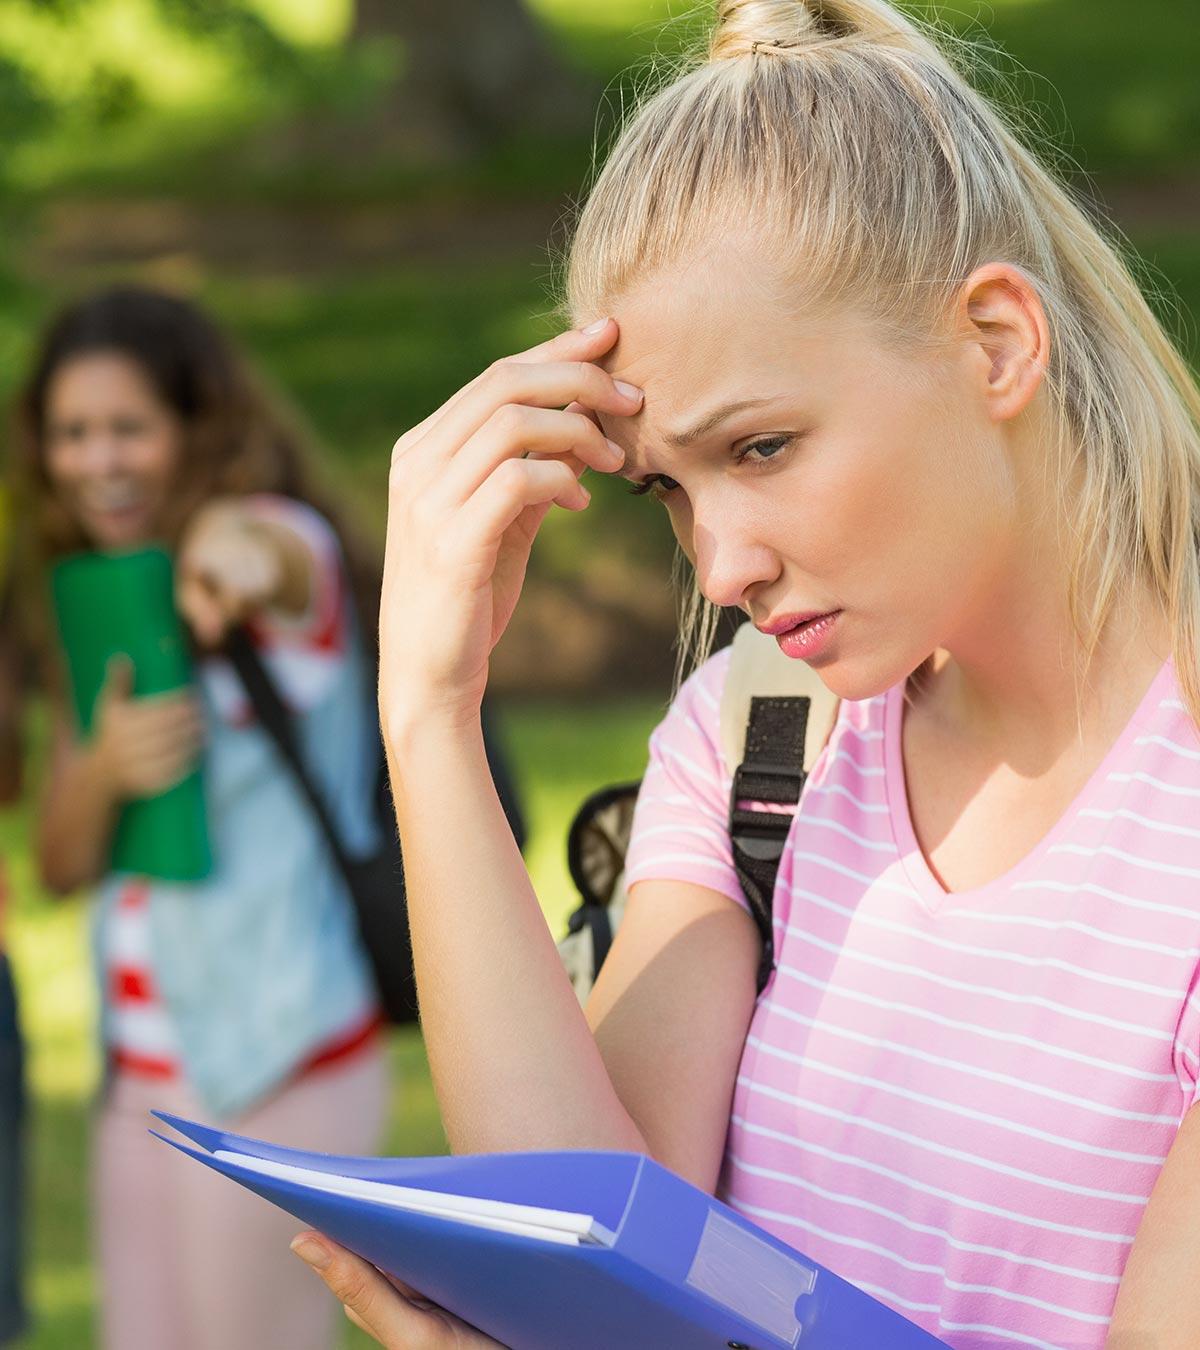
303,655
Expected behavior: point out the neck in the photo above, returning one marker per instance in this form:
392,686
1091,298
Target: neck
1016,682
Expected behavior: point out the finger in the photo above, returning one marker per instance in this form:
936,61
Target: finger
515,486
576,344
173,708
583,412
227,586
149,775
200,610
153,783
516,430
161,736
118,679
548,385
418,1300
232,603
157,763
163,742
160,741
354,1317
369,1299
595,338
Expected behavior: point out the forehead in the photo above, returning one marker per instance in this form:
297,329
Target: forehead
99,380
714,328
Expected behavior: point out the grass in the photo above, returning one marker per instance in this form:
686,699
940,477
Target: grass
561,753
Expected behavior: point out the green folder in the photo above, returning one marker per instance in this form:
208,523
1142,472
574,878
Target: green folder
124,603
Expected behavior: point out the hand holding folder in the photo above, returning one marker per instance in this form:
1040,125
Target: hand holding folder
565,1251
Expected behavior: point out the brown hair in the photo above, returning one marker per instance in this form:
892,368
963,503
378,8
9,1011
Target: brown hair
238,437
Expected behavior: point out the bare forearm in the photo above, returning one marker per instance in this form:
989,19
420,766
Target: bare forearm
77,820
514,1062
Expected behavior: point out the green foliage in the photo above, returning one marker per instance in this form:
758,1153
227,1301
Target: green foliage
169,89
127,91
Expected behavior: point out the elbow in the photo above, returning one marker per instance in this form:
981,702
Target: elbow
56,882
56,873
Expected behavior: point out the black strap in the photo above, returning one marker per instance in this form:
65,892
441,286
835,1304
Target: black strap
772,770
276,720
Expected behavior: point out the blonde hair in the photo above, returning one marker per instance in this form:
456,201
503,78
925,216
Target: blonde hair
842,138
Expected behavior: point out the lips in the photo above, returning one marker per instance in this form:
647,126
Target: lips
786,622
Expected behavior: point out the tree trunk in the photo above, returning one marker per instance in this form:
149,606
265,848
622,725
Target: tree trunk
473,72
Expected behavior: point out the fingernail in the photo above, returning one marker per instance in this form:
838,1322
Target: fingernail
617,453
629,390
314,1253
593,328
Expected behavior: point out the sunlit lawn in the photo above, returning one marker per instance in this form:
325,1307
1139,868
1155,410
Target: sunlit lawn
562,753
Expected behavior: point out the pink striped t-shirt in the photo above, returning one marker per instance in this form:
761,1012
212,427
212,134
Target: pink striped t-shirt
960,1102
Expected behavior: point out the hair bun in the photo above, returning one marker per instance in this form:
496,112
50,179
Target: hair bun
745,27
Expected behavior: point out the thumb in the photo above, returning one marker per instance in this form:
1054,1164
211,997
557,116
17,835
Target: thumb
201,610
118,679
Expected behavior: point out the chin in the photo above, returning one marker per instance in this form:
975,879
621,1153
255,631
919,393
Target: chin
855,683
114,535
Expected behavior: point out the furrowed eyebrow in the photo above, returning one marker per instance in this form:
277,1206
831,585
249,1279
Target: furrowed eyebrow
710,421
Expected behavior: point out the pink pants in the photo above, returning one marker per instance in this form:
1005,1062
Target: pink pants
187,1260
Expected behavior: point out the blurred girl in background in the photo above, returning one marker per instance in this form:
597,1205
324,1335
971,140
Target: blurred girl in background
245,997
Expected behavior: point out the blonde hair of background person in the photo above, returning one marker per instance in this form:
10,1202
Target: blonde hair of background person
990,462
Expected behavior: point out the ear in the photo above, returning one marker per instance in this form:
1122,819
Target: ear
1003,321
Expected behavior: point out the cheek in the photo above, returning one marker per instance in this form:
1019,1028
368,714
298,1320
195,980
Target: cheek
932,520
683,528
154,459
873,515
63,468
836,511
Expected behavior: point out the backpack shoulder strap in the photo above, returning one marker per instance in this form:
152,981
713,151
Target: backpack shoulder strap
277,721
758,669
776,716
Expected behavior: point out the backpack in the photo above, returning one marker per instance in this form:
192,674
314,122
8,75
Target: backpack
376,882
776,716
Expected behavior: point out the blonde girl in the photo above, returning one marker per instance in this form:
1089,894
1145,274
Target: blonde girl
909,412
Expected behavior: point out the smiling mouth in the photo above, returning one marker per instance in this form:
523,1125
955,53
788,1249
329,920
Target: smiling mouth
115,502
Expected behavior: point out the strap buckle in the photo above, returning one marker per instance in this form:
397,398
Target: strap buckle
764,781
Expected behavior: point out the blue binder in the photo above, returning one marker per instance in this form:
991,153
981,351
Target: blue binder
677,1270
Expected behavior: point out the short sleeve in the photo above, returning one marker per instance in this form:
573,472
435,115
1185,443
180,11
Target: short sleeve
1186,1050
307,653
680,825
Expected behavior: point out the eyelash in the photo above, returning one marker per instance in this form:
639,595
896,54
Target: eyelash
652,486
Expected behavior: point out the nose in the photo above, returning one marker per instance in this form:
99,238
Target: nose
731,563
99,452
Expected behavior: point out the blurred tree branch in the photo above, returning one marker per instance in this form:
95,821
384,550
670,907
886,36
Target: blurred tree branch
471,73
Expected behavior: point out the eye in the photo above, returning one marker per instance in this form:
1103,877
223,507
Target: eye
62,433
656,485
764,449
